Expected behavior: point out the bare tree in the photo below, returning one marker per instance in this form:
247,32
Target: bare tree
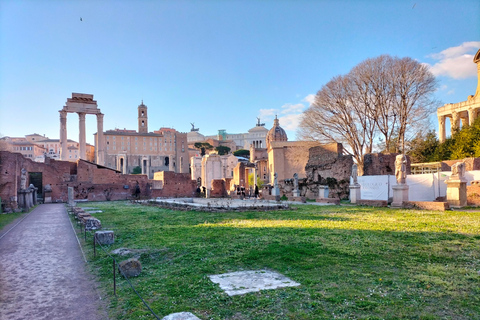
413,86
384,96
373,77
336,117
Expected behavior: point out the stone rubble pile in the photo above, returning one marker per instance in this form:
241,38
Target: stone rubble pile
86,219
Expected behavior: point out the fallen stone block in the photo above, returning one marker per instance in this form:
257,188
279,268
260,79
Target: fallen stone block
372,203
105,237
328,200
242,282
426,205
130,268
92,224
181,316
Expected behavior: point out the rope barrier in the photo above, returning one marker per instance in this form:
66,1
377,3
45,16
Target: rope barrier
115,264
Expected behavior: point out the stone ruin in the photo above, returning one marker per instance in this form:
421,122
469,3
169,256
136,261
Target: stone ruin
86,219
326,167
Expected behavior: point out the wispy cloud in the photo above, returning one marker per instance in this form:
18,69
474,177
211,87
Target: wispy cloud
456,62
310,99
290,121
292,108
289,114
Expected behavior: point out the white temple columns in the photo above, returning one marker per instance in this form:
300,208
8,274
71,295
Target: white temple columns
63,135
465,111
455,121
441,129
99,151
82,104
471,116
82,138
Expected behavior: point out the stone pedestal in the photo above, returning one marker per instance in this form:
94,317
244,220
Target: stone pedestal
275,191
208,193
400,194
47,198
71,198
323,192
456,192
92,224
354,193
296,193
105,237
25,199
21,199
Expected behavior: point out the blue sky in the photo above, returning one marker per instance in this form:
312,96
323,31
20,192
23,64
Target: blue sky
219,64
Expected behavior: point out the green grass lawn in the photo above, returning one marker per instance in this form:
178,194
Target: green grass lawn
8,218
351,262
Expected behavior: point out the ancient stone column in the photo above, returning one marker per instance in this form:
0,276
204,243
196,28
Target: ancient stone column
471,116
100,156
63,135
441,129
82,138
455,121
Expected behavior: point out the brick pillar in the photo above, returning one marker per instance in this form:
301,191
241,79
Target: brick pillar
82,138
63,135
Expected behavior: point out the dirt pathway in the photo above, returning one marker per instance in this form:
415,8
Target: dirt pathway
42,270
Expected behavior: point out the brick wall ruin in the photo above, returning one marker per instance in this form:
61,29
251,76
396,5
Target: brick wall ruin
327,166
90,181
470,164
381,164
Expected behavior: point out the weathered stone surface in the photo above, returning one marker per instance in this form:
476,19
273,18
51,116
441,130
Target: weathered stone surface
456,193
105,237
427,205
242,282
473,193
92,224
130,268
400,194
382,164
71,197
373,203
181,316
122,251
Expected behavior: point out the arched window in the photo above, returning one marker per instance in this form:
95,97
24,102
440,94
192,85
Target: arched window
167,161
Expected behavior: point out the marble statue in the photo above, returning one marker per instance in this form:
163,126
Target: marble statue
401,168
355,173
23,179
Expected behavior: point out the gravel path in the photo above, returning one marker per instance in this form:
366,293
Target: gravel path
42,270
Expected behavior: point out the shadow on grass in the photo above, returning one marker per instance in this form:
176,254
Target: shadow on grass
349,270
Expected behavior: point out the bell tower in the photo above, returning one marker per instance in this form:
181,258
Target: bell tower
142,119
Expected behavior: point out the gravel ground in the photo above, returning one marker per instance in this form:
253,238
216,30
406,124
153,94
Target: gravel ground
42,270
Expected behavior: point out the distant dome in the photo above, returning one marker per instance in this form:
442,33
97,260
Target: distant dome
276,133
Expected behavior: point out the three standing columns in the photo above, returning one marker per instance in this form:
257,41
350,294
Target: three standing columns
99,154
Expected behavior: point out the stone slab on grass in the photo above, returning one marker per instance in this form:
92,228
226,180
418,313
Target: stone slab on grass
181,316
242,282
